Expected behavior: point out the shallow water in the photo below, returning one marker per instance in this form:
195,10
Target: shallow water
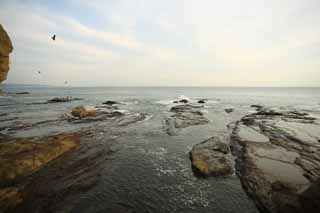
149,170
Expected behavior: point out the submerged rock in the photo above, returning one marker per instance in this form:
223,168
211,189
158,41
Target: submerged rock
21,157
5,49
211,157
84,111
278,158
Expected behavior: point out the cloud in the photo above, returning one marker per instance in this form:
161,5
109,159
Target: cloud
165,43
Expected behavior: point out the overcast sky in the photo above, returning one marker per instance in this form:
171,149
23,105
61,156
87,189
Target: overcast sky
164,43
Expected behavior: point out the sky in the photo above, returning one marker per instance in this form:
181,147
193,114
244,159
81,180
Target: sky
164,43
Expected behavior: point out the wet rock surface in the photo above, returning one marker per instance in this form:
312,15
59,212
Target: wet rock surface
184,115
84,111
10,197
21,157
212,157
278,159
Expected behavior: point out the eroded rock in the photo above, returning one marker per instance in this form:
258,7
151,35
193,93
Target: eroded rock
5,49
184,115
211,157
278,158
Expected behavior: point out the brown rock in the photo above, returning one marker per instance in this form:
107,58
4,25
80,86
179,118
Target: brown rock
211,158
10,197
82,112
19,158
5,49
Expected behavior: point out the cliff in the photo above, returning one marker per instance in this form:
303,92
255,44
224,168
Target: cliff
5,49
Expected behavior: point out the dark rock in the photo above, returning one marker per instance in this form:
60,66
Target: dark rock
229,110
184,101
278,159
211,157
22,93
61,100
202,101
258,107
110,103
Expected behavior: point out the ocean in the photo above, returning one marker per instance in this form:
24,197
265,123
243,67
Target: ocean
148,170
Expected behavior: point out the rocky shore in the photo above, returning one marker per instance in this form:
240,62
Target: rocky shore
277,158
20,158
275,154
23,159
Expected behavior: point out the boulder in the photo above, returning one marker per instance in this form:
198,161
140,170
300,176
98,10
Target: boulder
278,159
212,157
5,49
84,111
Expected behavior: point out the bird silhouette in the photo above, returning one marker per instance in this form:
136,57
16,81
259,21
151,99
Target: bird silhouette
54,37
39,72
65,82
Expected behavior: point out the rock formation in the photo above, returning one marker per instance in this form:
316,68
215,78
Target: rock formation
278,159
5,49
211,157
184,115
22,157
84,111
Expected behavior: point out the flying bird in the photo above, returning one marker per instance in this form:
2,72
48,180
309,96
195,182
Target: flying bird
54,37
39,72
65,82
